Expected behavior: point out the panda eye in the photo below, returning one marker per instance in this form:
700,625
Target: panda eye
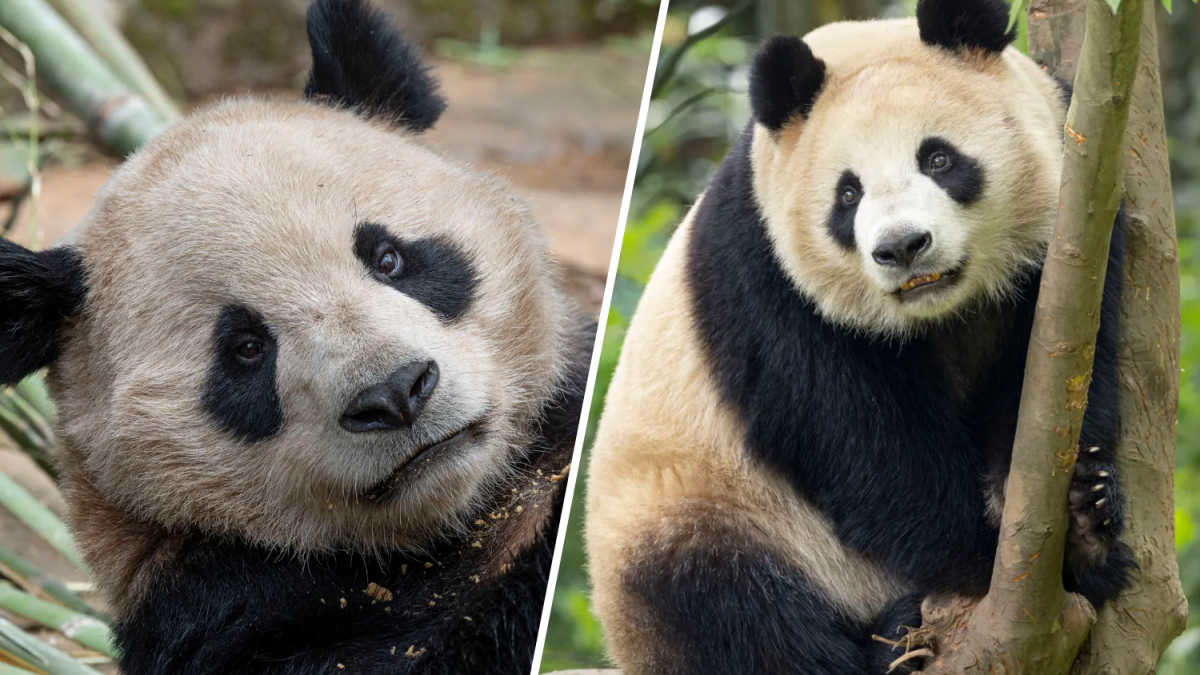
939,162
389,263
849,195
249,352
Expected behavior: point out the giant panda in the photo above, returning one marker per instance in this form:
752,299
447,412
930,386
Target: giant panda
317,383
810,425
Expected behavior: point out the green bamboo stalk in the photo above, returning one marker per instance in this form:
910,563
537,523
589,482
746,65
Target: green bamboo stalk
31,577
85,17
37,653
7,669
86,630
39,518
119,117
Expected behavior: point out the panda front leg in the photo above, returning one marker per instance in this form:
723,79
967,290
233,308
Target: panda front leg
1098,563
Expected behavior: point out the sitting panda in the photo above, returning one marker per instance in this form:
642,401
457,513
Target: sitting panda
810,427
318,385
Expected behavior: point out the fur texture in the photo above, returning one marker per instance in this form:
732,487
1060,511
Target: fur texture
361,62
817,453
38,293
247,275
785,80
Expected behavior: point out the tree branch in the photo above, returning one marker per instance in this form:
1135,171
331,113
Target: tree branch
1027,622
1131,634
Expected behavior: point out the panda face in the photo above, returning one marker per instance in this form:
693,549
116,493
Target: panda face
307,329
916,182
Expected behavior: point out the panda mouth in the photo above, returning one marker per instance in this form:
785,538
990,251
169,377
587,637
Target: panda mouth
926,283
411,468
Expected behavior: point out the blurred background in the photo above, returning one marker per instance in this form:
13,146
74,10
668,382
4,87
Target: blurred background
699,106
545,92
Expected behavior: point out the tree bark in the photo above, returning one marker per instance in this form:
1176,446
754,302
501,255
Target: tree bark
1131,634
1027,623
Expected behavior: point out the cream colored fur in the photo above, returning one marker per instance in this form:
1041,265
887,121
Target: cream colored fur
255,203
884,92
668,470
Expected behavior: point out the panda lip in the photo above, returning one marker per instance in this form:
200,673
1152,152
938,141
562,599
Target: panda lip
397,477
930,281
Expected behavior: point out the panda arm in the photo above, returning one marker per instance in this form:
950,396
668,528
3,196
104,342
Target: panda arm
1098,563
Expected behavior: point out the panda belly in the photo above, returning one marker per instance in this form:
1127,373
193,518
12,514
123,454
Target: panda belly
699,556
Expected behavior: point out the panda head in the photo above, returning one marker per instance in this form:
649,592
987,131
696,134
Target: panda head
294,322
906,169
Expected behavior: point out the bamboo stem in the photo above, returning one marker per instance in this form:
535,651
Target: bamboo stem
29,577
119,117
39,519
85,17
37,653
86,630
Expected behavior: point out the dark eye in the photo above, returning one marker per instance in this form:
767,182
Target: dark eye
939,162
849,195
389,263
249,351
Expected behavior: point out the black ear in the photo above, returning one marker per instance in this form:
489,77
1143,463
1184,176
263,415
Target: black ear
361,61
785,79
965,24
38,291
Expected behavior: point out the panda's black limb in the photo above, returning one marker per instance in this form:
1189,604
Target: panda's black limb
891,440
721,604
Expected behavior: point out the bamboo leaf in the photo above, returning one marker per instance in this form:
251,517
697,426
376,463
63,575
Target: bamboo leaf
1114,5
1014,11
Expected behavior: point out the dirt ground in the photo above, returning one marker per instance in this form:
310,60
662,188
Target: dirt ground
559,123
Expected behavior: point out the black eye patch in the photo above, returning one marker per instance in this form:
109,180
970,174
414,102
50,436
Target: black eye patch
846,198
432,270
240,393
961,177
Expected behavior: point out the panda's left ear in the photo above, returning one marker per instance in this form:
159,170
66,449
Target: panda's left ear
361,61
785,79
39,291
965,24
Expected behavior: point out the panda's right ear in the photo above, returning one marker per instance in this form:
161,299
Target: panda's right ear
785,79
38,293
361,61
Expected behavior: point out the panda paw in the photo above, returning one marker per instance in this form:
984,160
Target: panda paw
1096,503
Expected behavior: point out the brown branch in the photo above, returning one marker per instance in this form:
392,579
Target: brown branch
1131,634
1027,623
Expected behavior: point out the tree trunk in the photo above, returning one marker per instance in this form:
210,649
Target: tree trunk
1027,623
1131,634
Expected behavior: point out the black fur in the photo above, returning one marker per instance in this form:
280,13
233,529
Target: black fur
963,179
891,441
38,293
435,272
231,607
894,623
841,215
361,61
739,610
785,79
965,24
242,397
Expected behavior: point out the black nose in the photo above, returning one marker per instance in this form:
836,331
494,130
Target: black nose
395,403
902,251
